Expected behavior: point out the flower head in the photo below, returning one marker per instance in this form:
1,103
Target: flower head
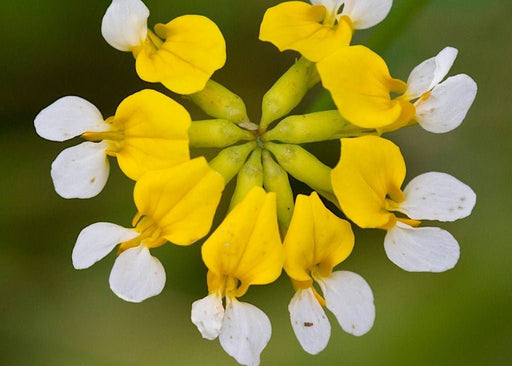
149,131
182,55
367,182
361,86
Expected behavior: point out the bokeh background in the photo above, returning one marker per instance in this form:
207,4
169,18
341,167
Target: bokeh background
51,314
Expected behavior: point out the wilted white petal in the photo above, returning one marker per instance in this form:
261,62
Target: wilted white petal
430,72
447,105
423,249
137,275
125,24
309,321
245,332
68,117
81,171
437,196
96,241
366,13
207,315
350,299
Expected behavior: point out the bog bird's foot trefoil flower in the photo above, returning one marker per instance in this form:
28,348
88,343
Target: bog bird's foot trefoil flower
370,195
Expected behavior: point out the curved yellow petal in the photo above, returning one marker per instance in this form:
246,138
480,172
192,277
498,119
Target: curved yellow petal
360,84
316,237
370,170
155,131
193,49
295,25
246,245
181,200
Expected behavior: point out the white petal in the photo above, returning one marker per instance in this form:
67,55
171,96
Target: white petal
207,315
309,321
430,72
245,332
96,241
137,275
68,117
366,13
81,171
437,196
332,6
447,105
125,24
424,249
350,299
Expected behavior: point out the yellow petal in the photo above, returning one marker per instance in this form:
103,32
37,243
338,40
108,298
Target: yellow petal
155,133
181,200
370,168
294,25
246,245
360,84
193,50
315,237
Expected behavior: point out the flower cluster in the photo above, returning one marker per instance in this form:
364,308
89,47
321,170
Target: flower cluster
267,228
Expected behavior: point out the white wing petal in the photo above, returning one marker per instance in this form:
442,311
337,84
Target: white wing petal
207,315
424,249
125,24
447,105
437,196
68,117
245,332
309,321
350,298
137,275
430,72
96,241
366,13
81,171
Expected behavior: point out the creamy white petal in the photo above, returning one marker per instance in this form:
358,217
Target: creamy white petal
423,249
430,72
245,332
125,24
137,275
68,117
437,196
332,6
309,321
96,241
207,315
447,105
81,171
366,13
350,298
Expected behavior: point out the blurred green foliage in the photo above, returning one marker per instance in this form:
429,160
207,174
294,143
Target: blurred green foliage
51,314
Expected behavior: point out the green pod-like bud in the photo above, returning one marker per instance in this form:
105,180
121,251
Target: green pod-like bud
230,160
305,167
275,179
250,176
217,133
287,92
219,102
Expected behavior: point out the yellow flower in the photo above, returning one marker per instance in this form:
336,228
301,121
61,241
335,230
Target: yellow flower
175,204
316,242
149,131
361,86
317,30
182,55
244,250
367,182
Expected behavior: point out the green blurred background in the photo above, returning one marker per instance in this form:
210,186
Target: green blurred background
51,314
